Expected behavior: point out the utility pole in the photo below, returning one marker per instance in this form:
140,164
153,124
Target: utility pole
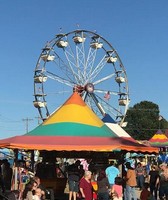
39,119
27,123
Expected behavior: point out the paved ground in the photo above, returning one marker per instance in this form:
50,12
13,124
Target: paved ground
65,196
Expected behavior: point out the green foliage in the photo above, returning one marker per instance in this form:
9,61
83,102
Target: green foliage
143,120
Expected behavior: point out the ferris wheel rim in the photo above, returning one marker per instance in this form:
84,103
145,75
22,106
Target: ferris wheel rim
57,39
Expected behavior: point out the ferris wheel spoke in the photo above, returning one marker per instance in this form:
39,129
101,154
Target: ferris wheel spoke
59,92
94,104
94,101
81,67
106,91
104,79
59,79
110,107
98,69
65,68
66,71
79,41
94,49
72,62
90,60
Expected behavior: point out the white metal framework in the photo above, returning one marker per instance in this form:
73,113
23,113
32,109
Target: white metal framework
84,62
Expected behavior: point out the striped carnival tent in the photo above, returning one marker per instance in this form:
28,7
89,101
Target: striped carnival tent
74,126
159,139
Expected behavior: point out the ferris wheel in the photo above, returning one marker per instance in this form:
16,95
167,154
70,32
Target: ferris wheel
84,62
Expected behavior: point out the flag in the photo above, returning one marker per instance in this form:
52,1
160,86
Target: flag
107,95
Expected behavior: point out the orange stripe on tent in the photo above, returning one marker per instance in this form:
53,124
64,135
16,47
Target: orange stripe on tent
75,99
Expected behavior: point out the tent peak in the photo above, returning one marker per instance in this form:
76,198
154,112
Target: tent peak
75,98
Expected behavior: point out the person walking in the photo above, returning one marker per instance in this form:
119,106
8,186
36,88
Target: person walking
112,172
117,189
153,176
140,175
145,193
131,183
85,186
73,179
103,186
163,181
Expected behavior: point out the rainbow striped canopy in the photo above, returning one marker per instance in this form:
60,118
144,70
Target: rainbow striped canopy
74,126
159,139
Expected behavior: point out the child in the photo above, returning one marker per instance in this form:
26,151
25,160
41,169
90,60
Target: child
145,194
37,194
116,190
95,187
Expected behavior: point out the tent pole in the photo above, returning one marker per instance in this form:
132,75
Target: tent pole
16,169
32,161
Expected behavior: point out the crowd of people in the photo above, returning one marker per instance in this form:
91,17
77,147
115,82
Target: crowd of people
106,183
29,187
114,184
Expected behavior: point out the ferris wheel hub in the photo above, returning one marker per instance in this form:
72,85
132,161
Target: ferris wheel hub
78,88
89,87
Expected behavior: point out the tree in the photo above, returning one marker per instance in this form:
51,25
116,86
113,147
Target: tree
144,120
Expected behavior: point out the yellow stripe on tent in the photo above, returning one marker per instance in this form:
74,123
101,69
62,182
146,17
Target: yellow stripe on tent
74,113
159,136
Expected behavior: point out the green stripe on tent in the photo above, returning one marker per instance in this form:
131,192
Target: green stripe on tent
72,129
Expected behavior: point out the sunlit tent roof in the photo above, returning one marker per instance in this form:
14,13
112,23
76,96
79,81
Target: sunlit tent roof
74,126
118,130
159,139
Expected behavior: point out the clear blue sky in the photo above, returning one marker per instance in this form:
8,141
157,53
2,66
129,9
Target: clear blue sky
137,29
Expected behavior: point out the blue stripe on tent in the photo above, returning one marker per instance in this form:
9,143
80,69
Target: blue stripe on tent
108,119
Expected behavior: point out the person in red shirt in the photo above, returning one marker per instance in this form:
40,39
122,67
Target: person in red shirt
85,186
145,194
